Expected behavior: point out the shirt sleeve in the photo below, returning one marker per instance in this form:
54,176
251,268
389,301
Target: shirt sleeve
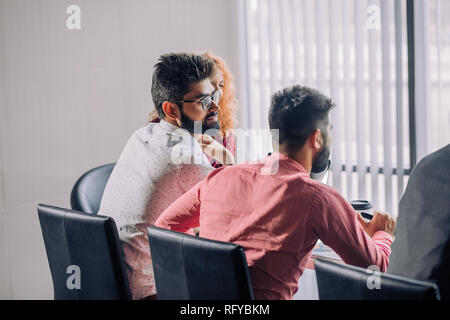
337,225
184,213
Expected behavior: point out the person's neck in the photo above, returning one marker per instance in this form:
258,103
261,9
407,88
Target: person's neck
171,121
303,156
174,122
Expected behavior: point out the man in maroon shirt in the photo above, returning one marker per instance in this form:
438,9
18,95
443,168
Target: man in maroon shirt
276,211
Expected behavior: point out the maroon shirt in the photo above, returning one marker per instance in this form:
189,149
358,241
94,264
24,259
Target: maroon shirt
276,212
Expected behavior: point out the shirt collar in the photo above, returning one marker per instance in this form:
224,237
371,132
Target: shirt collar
170,128
285,159
167,126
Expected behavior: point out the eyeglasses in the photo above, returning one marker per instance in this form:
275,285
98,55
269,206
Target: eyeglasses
206,101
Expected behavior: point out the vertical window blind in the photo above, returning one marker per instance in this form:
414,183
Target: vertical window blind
433,26
355,51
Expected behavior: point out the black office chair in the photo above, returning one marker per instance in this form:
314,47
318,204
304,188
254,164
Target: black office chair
88,190
84,255
344,282
193,268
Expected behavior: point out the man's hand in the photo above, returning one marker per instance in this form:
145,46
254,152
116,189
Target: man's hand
379,222
214,149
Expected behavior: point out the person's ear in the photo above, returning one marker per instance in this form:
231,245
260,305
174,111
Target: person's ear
171,110
317,139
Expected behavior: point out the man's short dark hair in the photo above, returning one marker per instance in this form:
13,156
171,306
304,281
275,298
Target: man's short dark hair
173,75
297,112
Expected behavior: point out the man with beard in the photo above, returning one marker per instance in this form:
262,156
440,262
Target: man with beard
162,160
275,211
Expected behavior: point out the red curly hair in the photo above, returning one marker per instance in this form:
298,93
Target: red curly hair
228,101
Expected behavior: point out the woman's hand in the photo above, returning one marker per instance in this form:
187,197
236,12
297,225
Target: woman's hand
214,149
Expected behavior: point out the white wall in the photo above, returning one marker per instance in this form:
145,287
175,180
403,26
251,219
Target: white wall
69,100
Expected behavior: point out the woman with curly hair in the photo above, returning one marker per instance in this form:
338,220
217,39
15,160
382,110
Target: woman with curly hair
222,81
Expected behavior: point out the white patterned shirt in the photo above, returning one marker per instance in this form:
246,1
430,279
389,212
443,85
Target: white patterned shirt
160,162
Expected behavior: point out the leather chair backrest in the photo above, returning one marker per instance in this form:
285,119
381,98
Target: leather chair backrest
90,243
88,190
344,282
194,268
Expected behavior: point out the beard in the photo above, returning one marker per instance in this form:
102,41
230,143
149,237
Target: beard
189,124
320,162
